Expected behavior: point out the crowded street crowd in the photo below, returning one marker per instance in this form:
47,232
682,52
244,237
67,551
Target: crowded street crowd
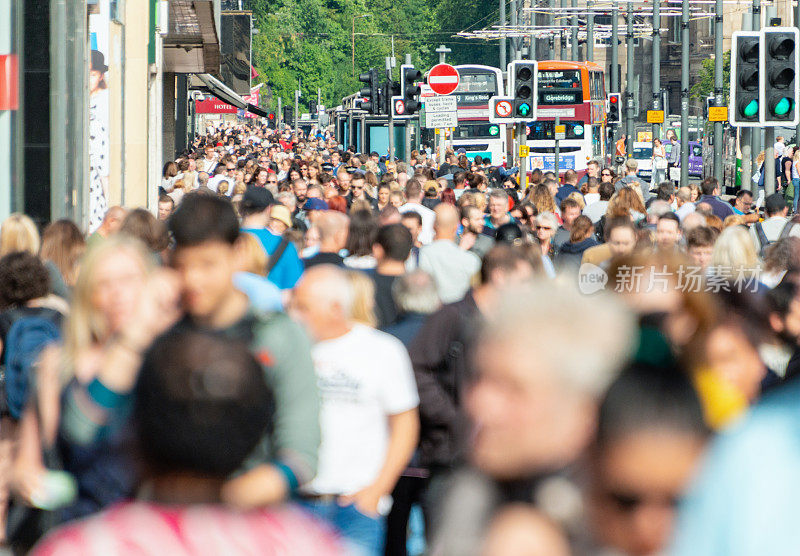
309,350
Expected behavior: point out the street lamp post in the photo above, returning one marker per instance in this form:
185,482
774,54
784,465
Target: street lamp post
353,40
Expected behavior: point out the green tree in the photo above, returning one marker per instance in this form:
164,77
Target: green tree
705,86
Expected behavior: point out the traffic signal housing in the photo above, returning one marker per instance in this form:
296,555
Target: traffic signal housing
525,89
410,91
287,115
745,108
614,115
371,104
778,73
312,108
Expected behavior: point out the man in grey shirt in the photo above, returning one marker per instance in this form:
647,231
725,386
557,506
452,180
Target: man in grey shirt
472,239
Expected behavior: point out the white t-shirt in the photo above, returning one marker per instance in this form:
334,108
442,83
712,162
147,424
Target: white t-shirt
428,218
363,377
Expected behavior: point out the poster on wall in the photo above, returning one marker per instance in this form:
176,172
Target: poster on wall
99,137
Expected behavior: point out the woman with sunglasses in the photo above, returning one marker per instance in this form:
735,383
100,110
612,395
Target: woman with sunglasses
650,438
546,226
608,175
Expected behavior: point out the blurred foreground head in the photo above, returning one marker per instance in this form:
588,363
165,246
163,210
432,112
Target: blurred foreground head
546,356
201,404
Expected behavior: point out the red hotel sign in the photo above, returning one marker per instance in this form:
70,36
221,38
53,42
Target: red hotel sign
213,105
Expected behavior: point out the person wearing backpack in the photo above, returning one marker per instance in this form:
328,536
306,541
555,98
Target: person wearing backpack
776,226
27,324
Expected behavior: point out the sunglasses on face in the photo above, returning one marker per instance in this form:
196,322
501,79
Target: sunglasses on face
630,502
543,228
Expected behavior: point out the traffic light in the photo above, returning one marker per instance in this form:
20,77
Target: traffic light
745,97
779,76
614,115
312,108
525,79
410,91
370,92
390,89
271,119
287,114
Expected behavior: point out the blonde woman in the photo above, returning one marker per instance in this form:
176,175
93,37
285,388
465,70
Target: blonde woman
363,310
735,255
120,304
543,200
19,233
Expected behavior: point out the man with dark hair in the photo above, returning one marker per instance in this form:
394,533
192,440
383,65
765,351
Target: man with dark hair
414,196
776,226
165,206
700,245
569,187
743,206
358,191
391,249
442,358
472,237
284,266
711,190
666,192
201,406
668,232
570,210
205,230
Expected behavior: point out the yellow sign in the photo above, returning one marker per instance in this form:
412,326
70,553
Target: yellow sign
717,113
655,116
561,129
644,136
524,150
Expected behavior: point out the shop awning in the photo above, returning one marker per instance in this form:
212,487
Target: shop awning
226,94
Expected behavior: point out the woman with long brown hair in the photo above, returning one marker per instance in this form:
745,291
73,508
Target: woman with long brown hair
63,245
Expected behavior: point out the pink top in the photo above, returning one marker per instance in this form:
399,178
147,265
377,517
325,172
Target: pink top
143,528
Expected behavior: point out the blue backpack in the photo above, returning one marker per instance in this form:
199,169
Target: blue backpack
25,340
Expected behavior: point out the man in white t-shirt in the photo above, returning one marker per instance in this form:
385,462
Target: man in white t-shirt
368,415
413,203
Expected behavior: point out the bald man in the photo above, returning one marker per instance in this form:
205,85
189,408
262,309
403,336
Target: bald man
110,225
368,415
332,227
452,268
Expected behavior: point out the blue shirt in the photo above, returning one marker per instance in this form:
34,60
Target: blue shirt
289,267
263,294
746,498
565,191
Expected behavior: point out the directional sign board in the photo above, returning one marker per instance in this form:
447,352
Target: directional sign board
655,116
500,110
717,113
441,111
443,79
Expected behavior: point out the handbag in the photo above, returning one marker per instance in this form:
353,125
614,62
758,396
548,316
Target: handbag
661,163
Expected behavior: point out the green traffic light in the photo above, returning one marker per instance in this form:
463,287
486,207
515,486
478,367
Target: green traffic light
783,106
524,109
751,108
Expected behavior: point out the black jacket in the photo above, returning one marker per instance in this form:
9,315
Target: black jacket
570,254
441,354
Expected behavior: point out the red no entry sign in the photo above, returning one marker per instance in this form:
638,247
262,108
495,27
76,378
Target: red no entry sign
503,109
399,107
443,79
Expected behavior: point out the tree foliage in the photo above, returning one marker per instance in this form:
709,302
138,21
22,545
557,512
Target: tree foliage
308,43
704,87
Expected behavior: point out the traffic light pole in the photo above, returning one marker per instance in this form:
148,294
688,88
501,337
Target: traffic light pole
615,88
279,115
629,116
685,93
589,32
756,132
719,143
769,160
573,35
745,133
503,46
296,112
391,109
656,75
